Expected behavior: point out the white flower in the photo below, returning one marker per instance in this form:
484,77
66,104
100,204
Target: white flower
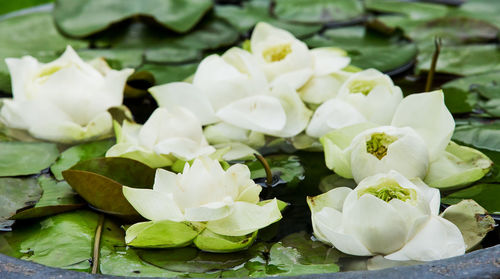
367,96
231,89
65,100
204,192
328,76
388,215
165,137
419,133
278,52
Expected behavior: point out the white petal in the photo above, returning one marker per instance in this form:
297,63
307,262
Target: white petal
183,148
239,174
209,212
186,95
223,133
246,218
319,89
153,205
259,113
375,223
408,154
333,199
11,113
336,143
427,114
297,114
237,151
328,60
331,115
22,72
138,153
295,79
328,224
438,239
165,181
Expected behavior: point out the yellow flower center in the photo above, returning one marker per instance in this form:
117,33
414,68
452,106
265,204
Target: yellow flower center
389,190
277,53
362,86
378,144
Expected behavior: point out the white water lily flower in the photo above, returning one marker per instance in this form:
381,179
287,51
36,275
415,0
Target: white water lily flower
165,137
65,100
225,200
386,214
410,145
328,76
368,95
232,89
280,53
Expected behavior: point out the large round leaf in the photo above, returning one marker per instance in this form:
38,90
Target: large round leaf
83,18
22,158
16,193
318,11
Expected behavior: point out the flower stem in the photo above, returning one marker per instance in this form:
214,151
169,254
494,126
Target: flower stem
97,245
269,174
430,75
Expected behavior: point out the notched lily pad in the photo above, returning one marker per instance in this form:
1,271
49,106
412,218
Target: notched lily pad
472,220
318,11
57,197
23,158
162,234
485,195
16,193
99,181
83,18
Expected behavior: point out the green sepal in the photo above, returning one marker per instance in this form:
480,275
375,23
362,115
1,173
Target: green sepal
211,242
162,234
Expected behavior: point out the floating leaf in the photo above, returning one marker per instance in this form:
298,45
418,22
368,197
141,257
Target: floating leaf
161,234
23,158
16,193
485,136
245,17
99,181
287,167
471,219
318,11
369,49
64,240
11,6
57,197
485,195
81,19
211,242
78,153
168,73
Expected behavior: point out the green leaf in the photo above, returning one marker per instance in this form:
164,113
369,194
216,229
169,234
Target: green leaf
30,34
99,181
459,166
192,260
412,10
83,18
482,136
63,240
368,49
10,6
78,153
288,167
486,10
16,193
57,197
471,219
250,13
23,158
297,254
161,234
318,11
168,73
211,242
485,195
334,181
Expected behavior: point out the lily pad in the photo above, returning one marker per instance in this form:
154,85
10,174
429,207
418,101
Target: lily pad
99,181
64,240
287,167
369,49
57,197
485,195
78,153
169,73
245,17
211,242
23,158
318,11
81,19
482,136
16,193
11,6
161,234
471,219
